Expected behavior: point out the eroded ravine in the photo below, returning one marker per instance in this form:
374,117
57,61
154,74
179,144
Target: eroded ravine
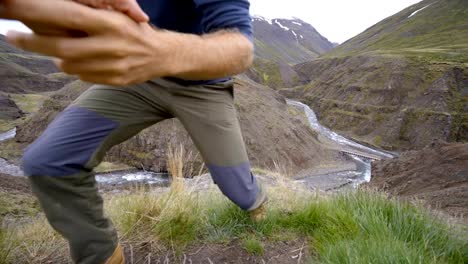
329,181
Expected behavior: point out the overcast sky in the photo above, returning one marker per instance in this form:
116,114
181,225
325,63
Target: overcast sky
337,20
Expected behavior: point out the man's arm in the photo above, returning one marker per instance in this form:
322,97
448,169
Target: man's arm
211,56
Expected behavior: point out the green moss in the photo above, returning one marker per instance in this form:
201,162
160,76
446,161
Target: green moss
269,72
29,103
6,125
293,111
11,149
377,140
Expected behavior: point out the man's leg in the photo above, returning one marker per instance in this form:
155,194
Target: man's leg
209,115
60,163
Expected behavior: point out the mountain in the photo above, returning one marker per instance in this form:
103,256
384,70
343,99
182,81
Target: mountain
288,40
434,29
400,84
24,78
281,43
24,72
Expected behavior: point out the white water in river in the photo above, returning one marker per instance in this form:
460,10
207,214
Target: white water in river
363,165
334,136
8,134
121,177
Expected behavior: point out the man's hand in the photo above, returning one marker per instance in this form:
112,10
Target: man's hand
129,7
118,51
115,51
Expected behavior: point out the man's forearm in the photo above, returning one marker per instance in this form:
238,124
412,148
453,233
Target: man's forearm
211,56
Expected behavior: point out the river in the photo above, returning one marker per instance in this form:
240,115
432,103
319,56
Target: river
363,171
114,178
333,180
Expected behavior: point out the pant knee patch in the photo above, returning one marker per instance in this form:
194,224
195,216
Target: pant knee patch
237,183
67,144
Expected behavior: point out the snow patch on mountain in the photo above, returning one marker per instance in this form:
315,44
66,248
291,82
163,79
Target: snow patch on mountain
261,18
294,33
281,26
417,11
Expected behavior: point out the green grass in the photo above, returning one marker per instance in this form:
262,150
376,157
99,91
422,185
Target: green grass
5,247
358,227
253,245
6,125
436,34
268,72
29,103
18,205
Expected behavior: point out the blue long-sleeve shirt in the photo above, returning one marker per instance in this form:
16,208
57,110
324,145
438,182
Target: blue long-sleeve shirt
199,17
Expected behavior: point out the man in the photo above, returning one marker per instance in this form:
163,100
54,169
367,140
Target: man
179,67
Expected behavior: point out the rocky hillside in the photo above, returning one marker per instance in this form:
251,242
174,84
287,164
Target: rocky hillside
433,29
23,72
281,43
276,136
400,84
288,40
8,109
437,174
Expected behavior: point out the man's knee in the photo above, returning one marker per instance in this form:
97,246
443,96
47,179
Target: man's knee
37,162
68,143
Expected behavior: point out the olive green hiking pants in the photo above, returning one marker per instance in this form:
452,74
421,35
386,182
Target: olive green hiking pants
60,162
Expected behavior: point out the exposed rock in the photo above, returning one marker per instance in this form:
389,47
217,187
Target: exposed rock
398,85
281,43
24,72
289,41
437,174
8,109
393,102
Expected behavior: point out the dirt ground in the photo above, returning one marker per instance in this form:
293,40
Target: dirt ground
438,175
283,252
14,184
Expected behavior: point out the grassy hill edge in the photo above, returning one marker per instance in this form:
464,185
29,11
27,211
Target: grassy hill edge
358,227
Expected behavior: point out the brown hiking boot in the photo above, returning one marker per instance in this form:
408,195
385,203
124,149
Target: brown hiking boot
117,257
258,211
259,214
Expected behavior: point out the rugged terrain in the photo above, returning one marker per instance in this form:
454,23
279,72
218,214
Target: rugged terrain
8,109
288,40
438,175
398,85
276,136
280,44
25,80
23,72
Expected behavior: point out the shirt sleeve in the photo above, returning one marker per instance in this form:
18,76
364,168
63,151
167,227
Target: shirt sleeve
225,14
